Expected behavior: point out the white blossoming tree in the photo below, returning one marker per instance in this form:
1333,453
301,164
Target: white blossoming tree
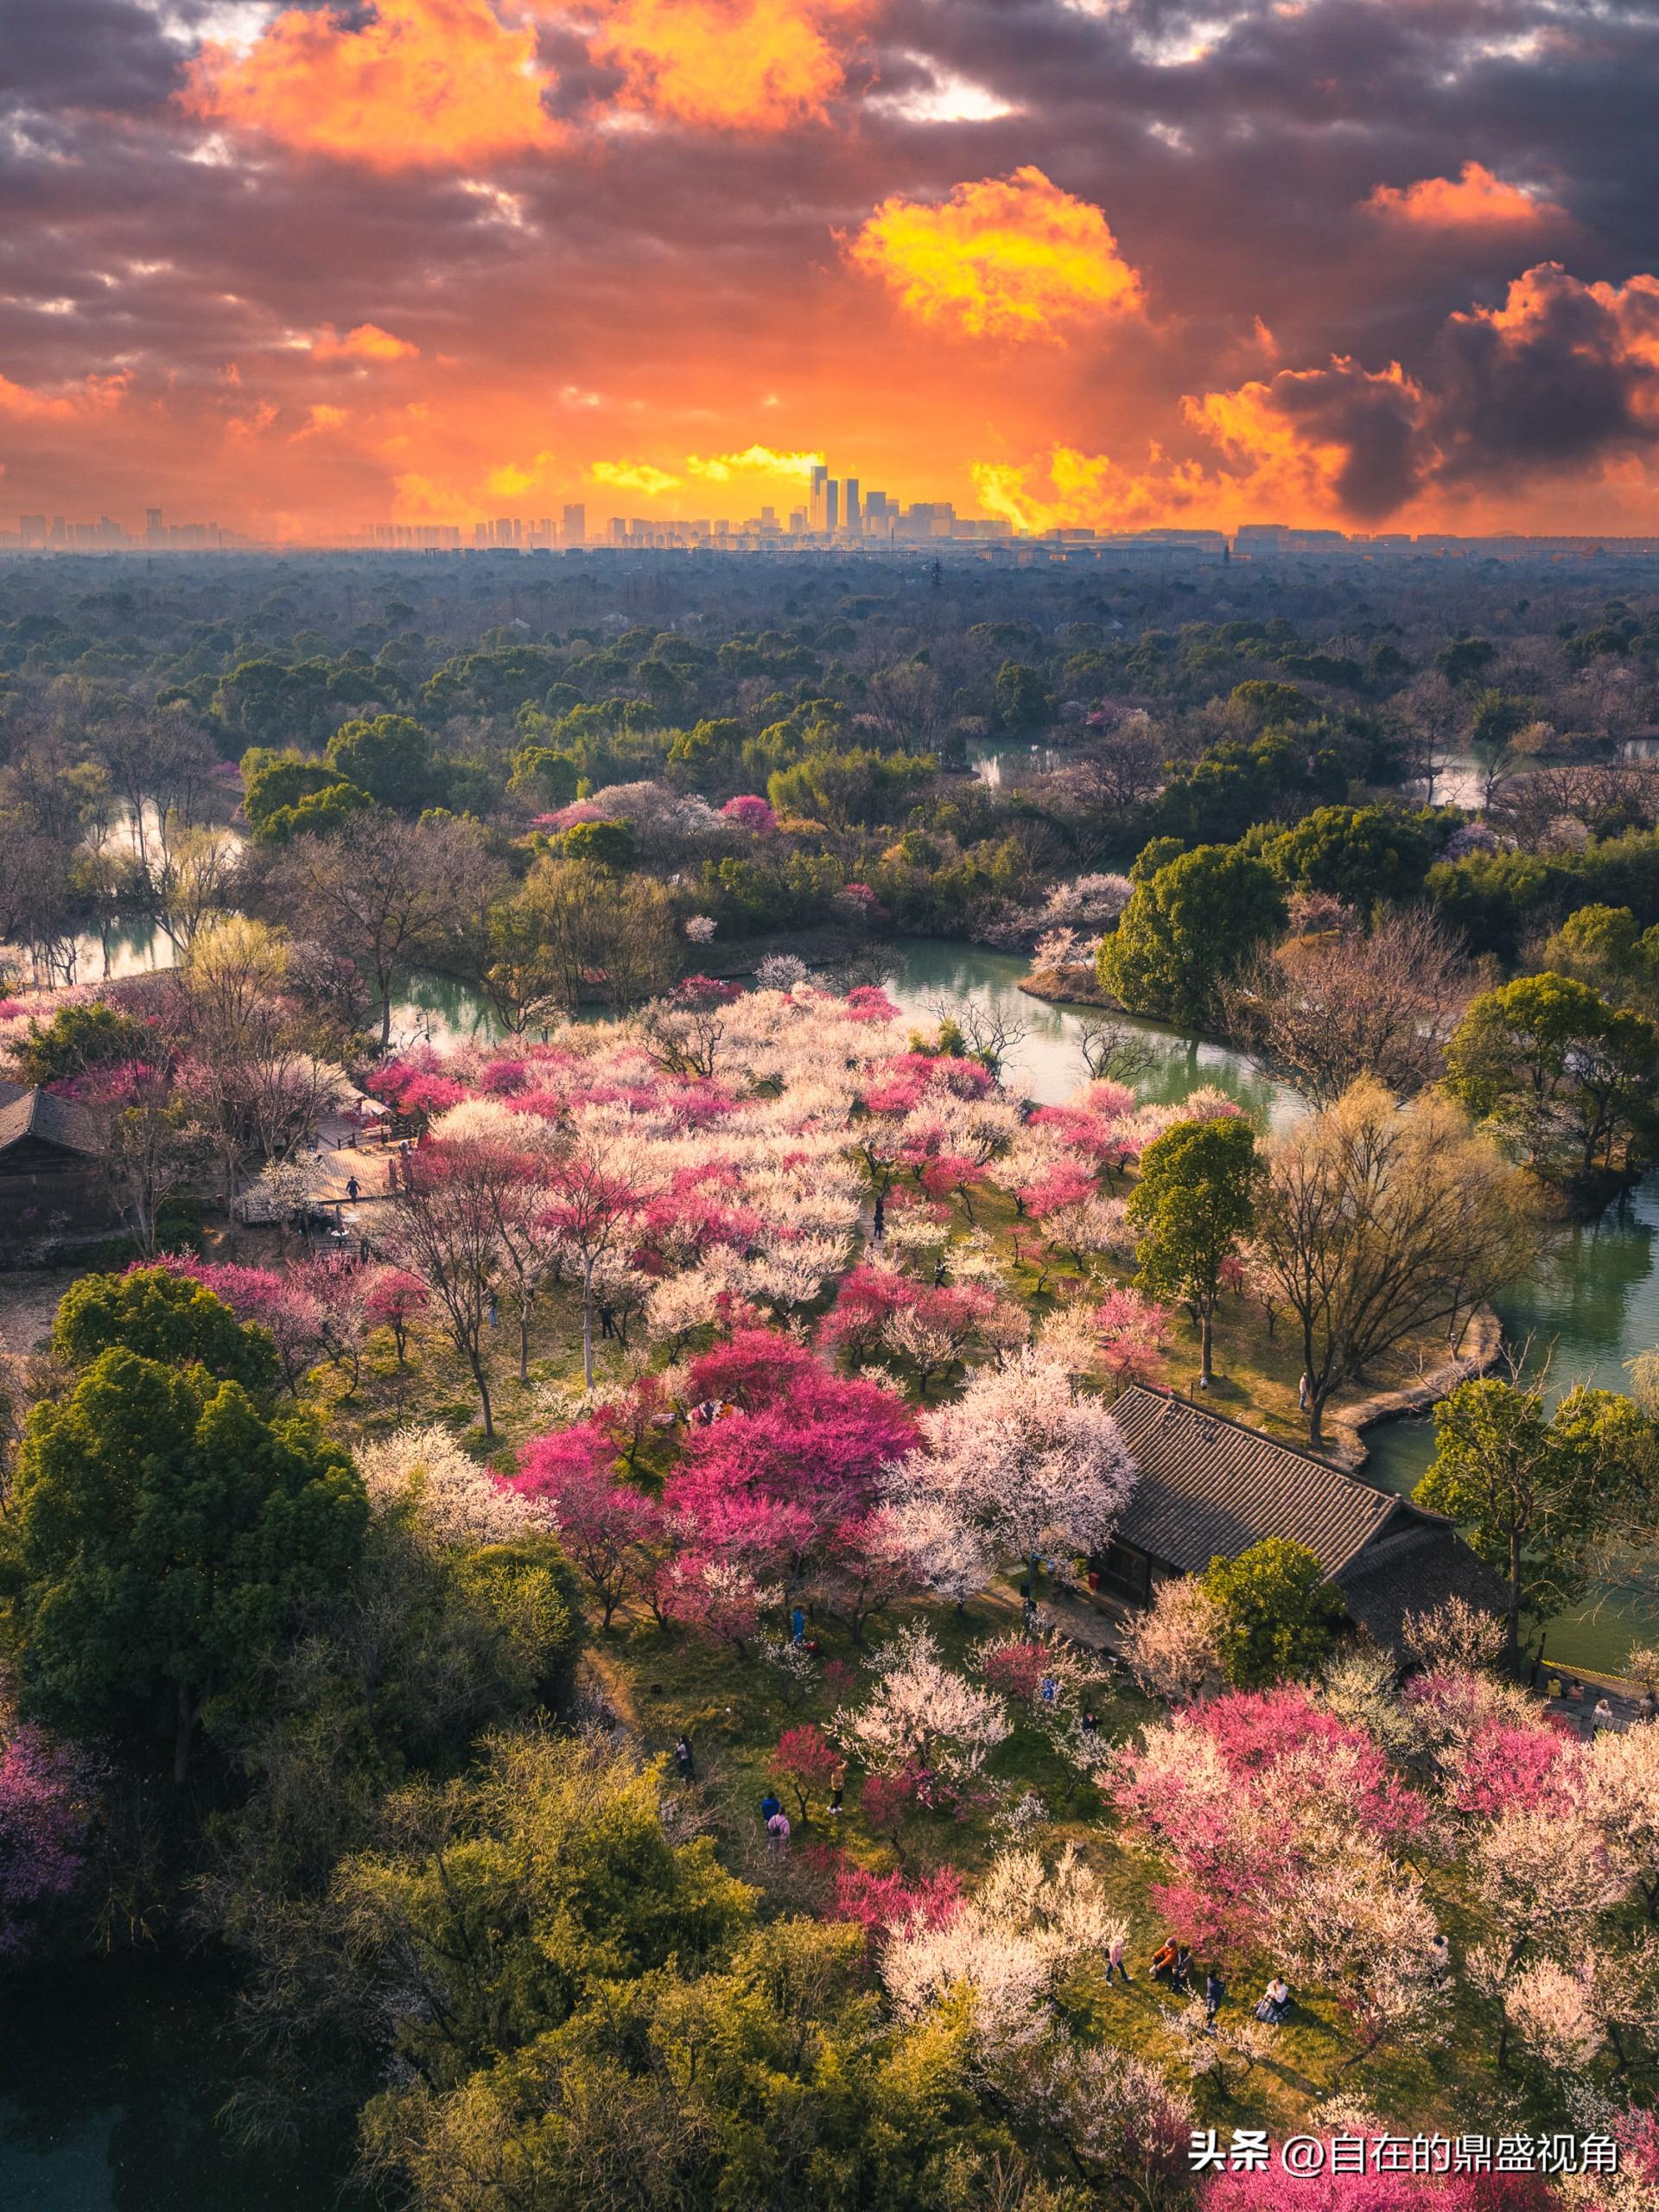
923,1715
1007,1949
454,1501
1026,1457
1174,1648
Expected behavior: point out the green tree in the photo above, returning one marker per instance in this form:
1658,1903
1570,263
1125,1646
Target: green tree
603,844
1277,1611
1188,928
1533,1489
1465,658
163,1537
1572,1079
322,813
162,1316
77,1039
603,2022
389,758
1360,853
273,781
546,777
1194,1201
1271,705
1022,700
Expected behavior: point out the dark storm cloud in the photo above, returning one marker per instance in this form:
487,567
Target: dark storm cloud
679,272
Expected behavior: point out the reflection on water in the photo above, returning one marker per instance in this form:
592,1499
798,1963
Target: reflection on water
1591,1304
1048,1062
995,760
112,2077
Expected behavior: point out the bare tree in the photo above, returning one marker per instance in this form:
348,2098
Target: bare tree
1114,1050
388,892
1318,1013
988,1034
444,1229
1432,713
1378,1222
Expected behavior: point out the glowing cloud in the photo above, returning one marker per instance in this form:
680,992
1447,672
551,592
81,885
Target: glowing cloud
419,84
1475,200
754,460
746,65
94,396
368,342
512,479
320,417
1006,258
633,476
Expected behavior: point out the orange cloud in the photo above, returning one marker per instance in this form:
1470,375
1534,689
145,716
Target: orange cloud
1475,200
746,65
418,84
1304,447
633,476
320,417
754,460
368,342
1006,258
513,478
93,396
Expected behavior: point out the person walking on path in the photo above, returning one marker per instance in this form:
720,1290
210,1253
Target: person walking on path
769,1805
1115,1962
685,1765
1214,1990
778,1833
837,1788
353,1189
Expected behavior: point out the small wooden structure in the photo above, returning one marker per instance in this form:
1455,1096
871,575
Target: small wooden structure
1210,1488
52,1162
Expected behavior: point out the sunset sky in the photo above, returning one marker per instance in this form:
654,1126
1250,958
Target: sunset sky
1385,263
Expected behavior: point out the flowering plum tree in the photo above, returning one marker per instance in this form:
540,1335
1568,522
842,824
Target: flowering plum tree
46,1804
1005,1949
609,1528
923,1715
806,1759
453,1500
1026,1456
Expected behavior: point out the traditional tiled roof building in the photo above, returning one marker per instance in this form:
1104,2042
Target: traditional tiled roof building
1212,1488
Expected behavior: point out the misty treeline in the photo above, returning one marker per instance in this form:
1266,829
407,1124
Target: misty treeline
635,748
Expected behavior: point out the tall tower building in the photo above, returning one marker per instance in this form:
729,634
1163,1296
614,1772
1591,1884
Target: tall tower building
153,534
817,505
831,506
852,519
573,529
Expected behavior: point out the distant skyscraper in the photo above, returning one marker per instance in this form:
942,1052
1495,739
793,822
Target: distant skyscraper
797,522
768,518
852,520
831,506
32,529
573,529
155,535
819,496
